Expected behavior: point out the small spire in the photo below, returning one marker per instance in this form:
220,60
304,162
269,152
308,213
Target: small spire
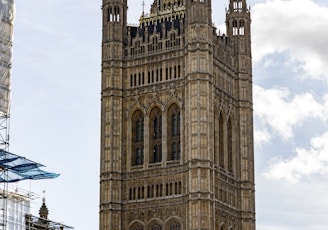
143,8
43,212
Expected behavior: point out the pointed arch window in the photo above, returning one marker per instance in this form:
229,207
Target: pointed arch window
237,5
173,134
110,14
155,136
116,14
137,138
234,28
241,27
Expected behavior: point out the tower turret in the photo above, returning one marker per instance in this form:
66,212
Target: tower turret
114,41
176,119
238,23
114,20
198,100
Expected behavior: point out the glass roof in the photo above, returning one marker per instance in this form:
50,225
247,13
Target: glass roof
15,168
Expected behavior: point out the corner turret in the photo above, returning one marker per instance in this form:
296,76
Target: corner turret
43,212
238,23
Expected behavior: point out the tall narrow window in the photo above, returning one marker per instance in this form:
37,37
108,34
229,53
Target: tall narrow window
221,142
234,28
179,71
155,136
216,140
166,73
237,5
241,28
157,153
174,226
110,14
230,150
116,14
174,124
139,156
173,133
137,138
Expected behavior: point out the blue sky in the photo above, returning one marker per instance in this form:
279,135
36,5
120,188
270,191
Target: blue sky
55,112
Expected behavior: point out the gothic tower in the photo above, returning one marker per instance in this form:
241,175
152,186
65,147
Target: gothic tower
176,120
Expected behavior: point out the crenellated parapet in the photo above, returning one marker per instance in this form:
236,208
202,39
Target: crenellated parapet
159,31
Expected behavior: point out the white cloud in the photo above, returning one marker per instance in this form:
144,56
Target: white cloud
276,109
282,205
307,162
261,136
297,27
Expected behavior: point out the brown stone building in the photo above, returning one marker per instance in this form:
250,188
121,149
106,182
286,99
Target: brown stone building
177,119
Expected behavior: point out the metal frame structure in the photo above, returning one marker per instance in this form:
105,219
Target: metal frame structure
7,15
4,144
15,168
43,223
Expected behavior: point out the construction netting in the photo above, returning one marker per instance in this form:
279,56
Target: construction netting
7,14
15,168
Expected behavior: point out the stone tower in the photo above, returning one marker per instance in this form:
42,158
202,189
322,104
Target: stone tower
176,120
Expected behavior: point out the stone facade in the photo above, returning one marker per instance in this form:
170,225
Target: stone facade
177,119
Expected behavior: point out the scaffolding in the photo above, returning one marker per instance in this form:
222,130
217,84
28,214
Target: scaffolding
17,205
35,223
7,14
14,168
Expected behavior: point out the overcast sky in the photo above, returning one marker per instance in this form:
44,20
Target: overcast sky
55,113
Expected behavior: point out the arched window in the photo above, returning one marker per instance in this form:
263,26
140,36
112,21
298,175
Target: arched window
237,5
241,28
137,138
116,14
230,150
221,141
155,136
234,28
110,14
173,133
